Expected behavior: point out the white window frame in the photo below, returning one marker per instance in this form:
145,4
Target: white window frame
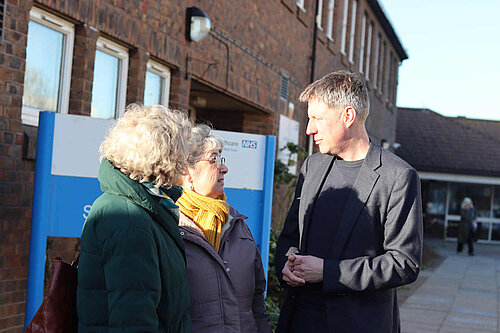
362,48
329,26
353,31
164,73
29,115
319,17
369,51
301,4
376,60
344,27
115,49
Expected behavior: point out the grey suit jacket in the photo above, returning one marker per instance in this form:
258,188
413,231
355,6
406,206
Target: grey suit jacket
378,246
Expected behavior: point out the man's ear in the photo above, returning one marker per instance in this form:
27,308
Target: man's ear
349,116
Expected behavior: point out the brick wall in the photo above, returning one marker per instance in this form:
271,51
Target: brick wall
82,73
16,174
381,124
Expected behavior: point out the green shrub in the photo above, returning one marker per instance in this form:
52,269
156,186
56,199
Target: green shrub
285,181
275,293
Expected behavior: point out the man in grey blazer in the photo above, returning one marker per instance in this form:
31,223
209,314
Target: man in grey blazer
354,230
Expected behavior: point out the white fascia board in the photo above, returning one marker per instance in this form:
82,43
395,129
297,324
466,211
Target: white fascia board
449,177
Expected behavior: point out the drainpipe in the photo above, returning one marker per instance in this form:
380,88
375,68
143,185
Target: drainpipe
313,65
315,34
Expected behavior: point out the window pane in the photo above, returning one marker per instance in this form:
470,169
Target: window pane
43,67
480,195
495,232
105,86
152,90
434,199
482,231
452,230
496,202
437,199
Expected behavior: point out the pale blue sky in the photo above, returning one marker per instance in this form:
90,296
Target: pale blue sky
454,55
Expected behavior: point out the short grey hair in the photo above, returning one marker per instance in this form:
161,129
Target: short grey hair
203,140
339,90
466,202
149,143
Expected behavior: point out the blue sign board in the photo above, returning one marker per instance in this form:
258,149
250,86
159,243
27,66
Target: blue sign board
66,185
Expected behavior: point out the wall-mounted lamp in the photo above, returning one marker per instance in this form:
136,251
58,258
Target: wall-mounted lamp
197,24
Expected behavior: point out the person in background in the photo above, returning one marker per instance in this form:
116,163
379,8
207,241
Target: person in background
224,269
132,274
466,227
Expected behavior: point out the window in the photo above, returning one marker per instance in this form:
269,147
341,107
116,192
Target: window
157,87
301,4
496,203
353,31
394,80
110,80
2,18
480,195
329,27
344,26
382,68
319,17
49,54
435,199
390,82
434,208
362,49
368,51
375,62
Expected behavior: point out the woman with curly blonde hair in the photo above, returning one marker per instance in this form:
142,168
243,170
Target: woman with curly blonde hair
131,272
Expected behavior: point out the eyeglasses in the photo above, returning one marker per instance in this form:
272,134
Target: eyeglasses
218,160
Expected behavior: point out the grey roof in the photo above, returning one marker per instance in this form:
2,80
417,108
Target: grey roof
434,143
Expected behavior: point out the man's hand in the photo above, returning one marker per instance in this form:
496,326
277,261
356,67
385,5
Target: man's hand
288,272
308,268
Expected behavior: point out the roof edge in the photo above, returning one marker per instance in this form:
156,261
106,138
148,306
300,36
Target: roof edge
388,28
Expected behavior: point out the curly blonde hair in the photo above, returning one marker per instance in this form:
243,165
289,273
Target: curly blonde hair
149,143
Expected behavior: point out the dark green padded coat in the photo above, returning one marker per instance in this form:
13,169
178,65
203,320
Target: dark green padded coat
131,275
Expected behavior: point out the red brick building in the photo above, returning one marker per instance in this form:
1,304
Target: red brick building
94,57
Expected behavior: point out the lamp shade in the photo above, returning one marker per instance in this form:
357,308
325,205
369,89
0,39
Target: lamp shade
197,24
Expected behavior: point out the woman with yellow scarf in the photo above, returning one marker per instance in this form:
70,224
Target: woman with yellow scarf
224,269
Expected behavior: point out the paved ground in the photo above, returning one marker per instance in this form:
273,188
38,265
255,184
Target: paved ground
461,295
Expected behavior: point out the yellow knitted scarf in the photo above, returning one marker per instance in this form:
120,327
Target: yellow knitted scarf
210,215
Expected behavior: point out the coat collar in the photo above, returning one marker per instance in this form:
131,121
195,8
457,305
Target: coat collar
113,181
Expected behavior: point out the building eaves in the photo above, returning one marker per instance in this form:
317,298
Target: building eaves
388,28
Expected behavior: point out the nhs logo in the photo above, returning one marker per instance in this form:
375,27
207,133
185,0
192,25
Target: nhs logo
249,144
